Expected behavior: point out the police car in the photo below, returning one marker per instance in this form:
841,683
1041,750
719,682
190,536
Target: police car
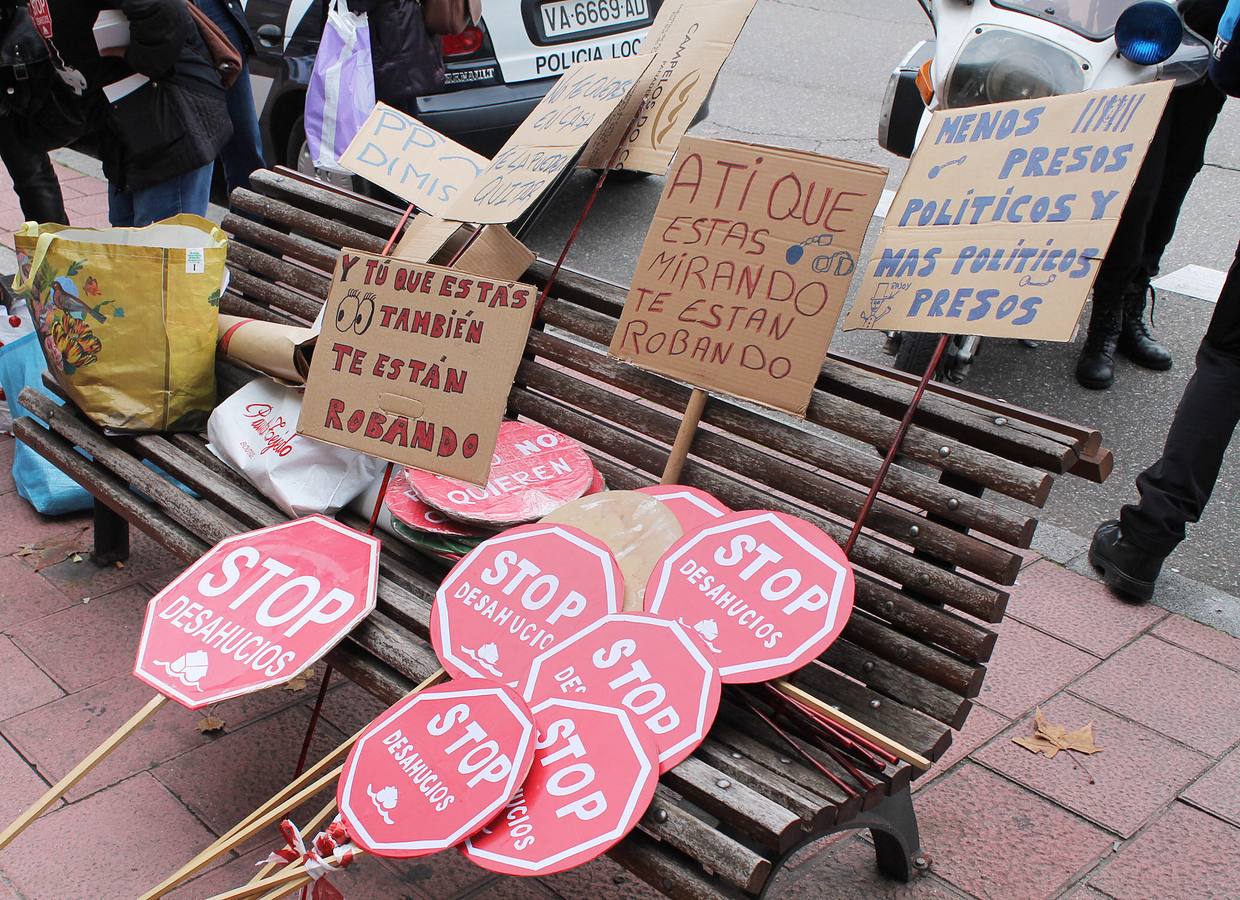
496,72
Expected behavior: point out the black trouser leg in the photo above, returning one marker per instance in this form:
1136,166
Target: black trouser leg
34,179
1174,491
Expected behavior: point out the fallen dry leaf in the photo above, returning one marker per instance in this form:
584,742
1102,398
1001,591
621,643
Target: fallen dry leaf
55,550
1049,738
210,724
299,682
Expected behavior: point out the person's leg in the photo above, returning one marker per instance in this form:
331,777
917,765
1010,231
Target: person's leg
188,193
1174,491
1096,366
120,207
34,180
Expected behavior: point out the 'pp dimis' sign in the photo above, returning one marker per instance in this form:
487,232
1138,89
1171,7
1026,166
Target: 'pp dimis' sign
436,767
766,592
257,609
518,595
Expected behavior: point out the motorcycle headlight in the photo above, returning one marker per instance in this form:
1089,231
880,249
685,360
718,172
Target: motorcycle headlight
1000,65
1149,32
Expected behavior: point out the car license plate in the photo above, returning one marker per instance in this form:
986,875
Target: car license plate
573,16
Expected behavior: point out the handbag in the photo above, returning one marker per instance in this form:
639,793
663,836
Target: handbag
450,16
341,93
128,317
34,100
224,55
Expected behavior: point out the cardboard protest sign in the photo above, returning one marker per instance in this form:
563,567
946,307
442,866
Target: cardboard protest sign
764,591
647,665
257,609
518,595
745,268
693,508
534,470
689,41
410,509
548,140
414,162
494,253
593,777
436,767
415,362
1005,214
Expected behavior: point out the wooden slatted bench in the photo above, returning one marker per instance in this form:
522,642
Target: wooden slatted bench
939,547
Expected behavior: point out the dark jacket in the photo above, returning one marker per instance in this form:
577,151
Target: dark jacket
175,123
1225,63
230,17
408,62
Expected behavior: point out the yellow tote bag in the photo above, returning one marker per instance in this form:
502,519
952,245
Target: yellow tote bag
128,317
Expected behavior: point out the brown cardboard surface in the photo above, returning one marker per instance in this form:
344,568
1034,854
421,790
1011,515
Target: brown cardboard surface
745,268
495,253
415,362
267,347
414,162
1005,214
689,40
548,140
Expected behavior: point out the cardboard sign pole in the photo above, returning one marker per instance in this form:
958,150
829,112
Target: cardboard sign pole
293,876
78,772
311,828
684,437
849,723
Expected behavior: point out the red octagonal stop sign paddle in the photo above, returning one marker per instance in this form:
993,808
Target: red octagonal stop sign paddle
647,665
518,595
593,776
257,609
692,508
765,591
436,767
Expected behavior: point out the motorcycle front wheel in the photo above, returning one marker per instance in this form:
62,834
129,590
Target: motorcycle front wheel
916,351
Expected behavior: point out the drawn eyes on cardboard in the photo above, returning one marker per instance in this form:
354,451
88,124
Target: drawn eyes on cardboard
356,311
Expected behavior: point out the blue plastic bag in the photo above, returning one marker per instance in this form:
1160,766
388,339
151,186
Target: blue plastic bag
49,490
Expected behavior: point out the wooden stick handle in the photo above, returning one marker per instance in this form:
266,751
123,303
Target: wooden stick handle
226,840
292,873
310,829
684,437
78,772
827,711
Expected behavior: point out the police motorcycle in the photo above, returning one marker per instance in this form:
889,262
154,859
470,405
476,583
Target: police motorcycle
993,51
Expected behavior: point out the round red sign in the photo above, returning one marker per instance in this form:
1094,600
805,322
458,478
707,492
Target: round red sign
593,776
408,508
692,508
647,665
257,609
518,595
533,471
436,767
766,592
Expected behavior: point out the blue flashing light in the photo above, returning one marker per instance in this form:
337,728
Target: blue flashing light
1148,32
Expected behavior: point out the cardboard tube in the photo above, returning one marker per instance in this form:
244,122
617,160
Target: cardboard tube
266,347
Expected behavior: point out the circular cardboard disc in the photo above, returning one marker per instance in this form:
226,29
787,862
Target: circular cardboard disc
534,470
638,529
410,510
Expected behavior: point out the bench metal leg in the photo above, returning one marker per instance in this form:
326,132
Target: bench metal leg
111,537
897,844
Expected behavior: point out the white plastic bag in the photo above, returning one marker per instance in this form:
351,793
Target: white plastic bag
341,93
254,431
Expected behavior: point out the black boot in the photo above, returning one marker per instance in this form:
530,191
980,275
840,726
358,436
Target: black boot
1096,367
1135,340
1125,567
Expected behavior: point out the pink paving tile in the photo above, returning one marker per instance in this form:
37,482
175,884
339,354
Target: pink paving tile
230,777
25,687
512,888
147,560
1203,639
19,785
87,186
88,642
114,844
1027,667
849,868
991,838
348,707
1180,694
981,725
1138,772
85,207
20,524
25,595
601,879
1218,791
225,877
1186,853
1078,610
